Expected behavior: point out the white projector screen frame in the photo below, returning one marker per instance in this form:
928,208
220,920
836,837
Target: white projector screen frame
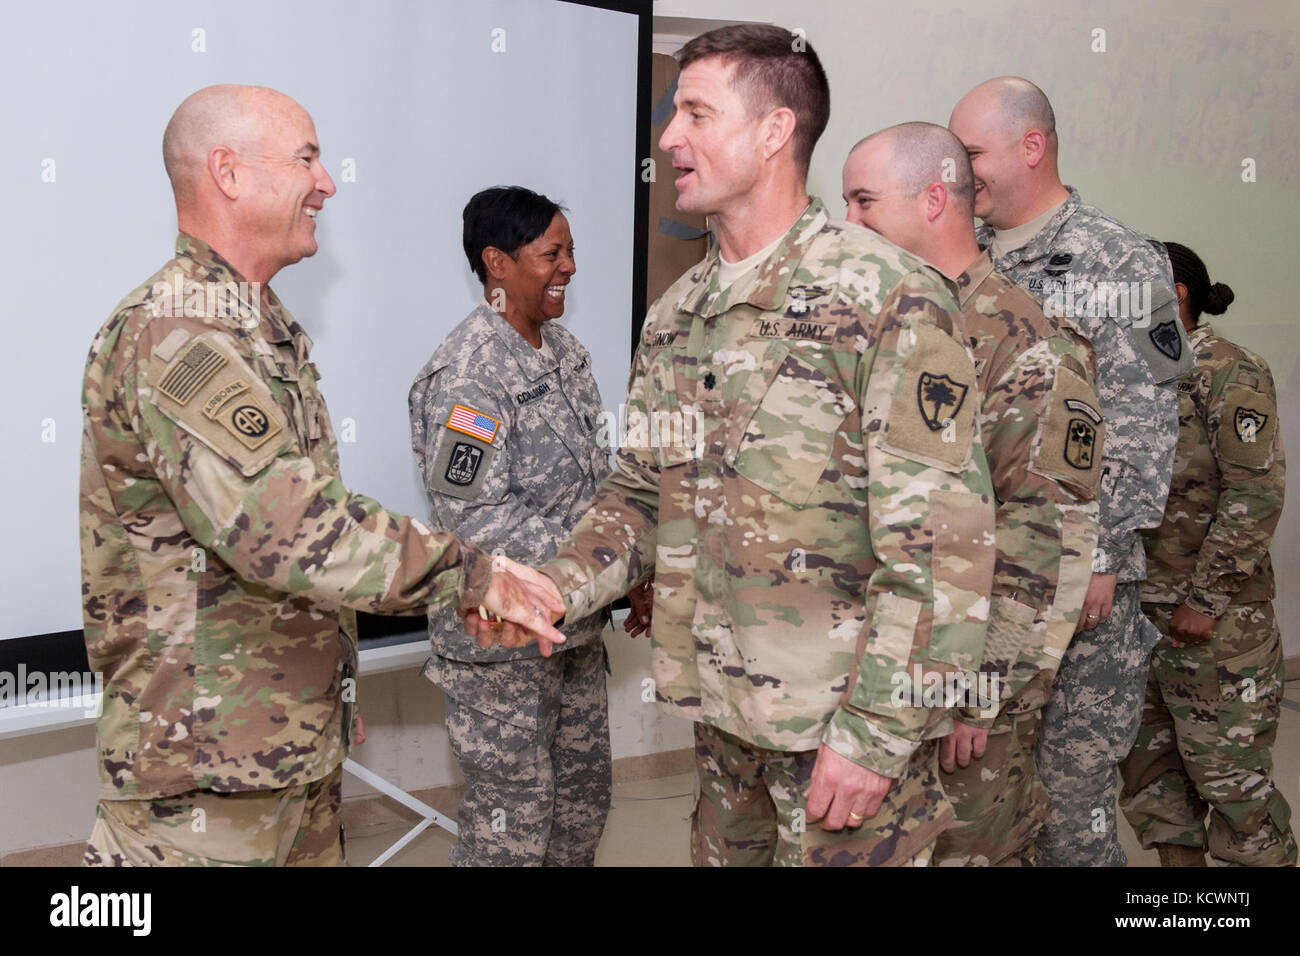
417,105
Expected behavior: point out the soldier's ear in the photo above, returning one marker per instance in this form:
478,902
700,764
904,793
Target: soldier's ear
936,200
779,128
1033,147
1181,291
222,167
494,260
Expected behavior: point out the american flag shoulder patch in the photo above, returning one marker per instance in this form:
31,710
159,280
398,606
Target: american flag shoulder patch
473,423
187,374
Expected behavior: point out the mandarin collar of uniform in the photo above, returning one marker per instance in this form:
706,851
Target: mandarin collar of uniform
1041,244
274,319
704,297
1199,334
969,281
531,361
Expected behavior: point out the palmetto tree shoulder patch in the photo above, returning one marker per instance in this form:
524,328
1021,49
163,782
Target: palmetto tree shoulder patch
931,417
940,398
1248,427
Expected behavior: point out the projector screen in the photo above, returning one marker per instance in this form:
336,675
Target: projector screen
418,105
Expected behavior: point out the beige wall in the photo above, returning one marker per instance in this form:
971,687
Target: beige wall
1153,131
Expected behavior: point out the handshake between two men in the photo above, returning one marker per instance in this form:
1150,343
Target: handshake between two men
521,605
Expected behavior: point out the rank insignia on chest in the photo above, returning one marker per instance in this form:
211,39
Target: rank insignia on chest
1166,339
1248,423
474,423
463,464
939,397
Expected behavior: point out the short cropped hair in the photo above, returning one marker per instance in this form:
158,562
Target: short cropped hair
507,217
920,152
774,67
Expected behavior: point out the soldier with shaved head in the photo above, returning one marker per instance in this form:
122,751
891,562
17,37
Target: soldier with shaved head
222,556
1117,286
1042,432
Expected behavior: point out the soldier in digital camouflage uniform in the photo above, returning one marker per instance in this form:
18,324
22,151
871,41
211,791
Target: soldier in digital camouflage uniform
1042,433
803,474
531,733
1044,238
221,552
1213,694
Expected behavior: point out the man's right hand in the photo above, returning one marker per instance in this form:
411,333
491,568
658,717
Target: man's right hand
526,601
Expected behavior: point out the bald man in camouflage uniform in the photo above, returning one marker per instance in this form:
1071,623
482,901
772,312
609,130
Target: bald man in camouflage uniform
1213,698
819,535
1042,432
1118,288
222,556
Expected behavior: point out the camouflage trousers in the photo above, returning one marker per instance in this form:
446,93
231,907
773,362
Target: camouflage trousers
750,810
1088,727
1000,800
1206,743
295,826
537,786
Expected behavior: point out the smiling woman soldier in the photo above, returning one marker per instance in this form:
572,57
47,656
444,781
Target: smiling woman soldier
503,426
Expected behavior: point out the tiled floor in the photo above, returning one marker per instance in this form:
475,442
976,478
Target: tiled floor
648,822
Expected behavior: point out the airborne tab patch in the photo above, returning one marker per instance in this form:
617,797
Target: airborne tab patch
212,406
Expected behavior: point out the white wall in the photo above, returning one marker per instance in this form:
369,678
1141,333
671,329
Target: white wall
1154,131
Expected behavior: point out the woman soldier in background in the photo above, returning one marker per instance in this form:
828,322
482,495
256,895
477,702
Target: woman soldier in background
1213,693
